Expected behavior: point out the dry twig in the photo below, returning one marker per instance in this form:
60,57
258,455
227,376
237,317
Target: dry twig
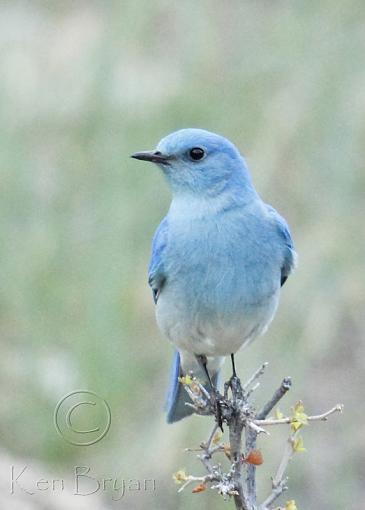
238,412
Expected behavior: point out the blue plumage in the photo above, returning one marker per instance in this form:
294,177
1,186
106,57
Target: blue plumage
156,274
177,397
219,257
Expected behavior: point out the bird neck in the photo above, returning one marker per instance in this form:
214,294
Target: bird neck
197,205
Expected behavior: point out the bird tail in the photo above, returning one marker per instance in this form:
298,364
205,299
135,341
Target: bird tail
177,397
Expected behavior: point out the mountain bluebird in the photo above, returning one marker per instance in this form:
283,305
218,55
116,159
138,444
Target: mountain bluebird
219,258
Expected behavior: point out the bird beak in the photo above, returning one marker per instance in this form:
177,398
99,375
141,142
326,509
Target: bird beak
153,156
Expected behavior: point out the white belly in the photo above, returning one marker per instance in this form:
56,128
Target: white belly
215,335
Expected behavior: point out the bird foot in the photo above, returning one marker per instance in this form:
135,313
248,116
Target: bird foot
234,383
217,401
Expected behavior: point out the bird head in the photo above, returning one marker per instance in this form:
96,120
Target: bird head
195,161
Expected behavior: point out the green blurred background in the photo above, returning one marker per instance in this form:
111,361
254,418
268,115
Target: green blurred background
83,85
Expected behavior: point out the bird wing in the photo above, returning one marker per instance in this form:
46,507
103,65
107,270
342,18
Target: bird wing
156,274
290,255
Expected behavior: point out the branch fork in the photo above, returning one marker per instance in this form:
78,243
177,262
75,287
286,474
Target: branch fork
243,421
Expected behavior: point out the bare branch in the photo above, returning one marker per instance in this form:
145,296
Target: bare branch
251,436
238,413
253,425
278,395
202,479
288,419
276,492
287,455
255,376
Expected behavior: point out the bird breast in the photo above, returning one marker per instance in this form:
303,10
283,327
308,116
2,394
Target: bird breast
222,277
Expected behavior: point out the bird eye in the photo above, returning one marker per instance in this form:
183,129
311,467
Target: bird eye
196,153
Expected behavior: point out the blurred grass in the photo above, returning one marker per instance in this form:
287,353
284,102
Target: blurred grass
84,84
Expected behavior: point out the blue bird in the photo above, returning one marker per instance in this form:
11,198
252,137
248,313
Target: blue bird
219,258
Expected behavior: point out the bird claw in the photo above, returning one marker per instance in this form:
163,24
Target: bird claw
218,415
217,401
235,384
